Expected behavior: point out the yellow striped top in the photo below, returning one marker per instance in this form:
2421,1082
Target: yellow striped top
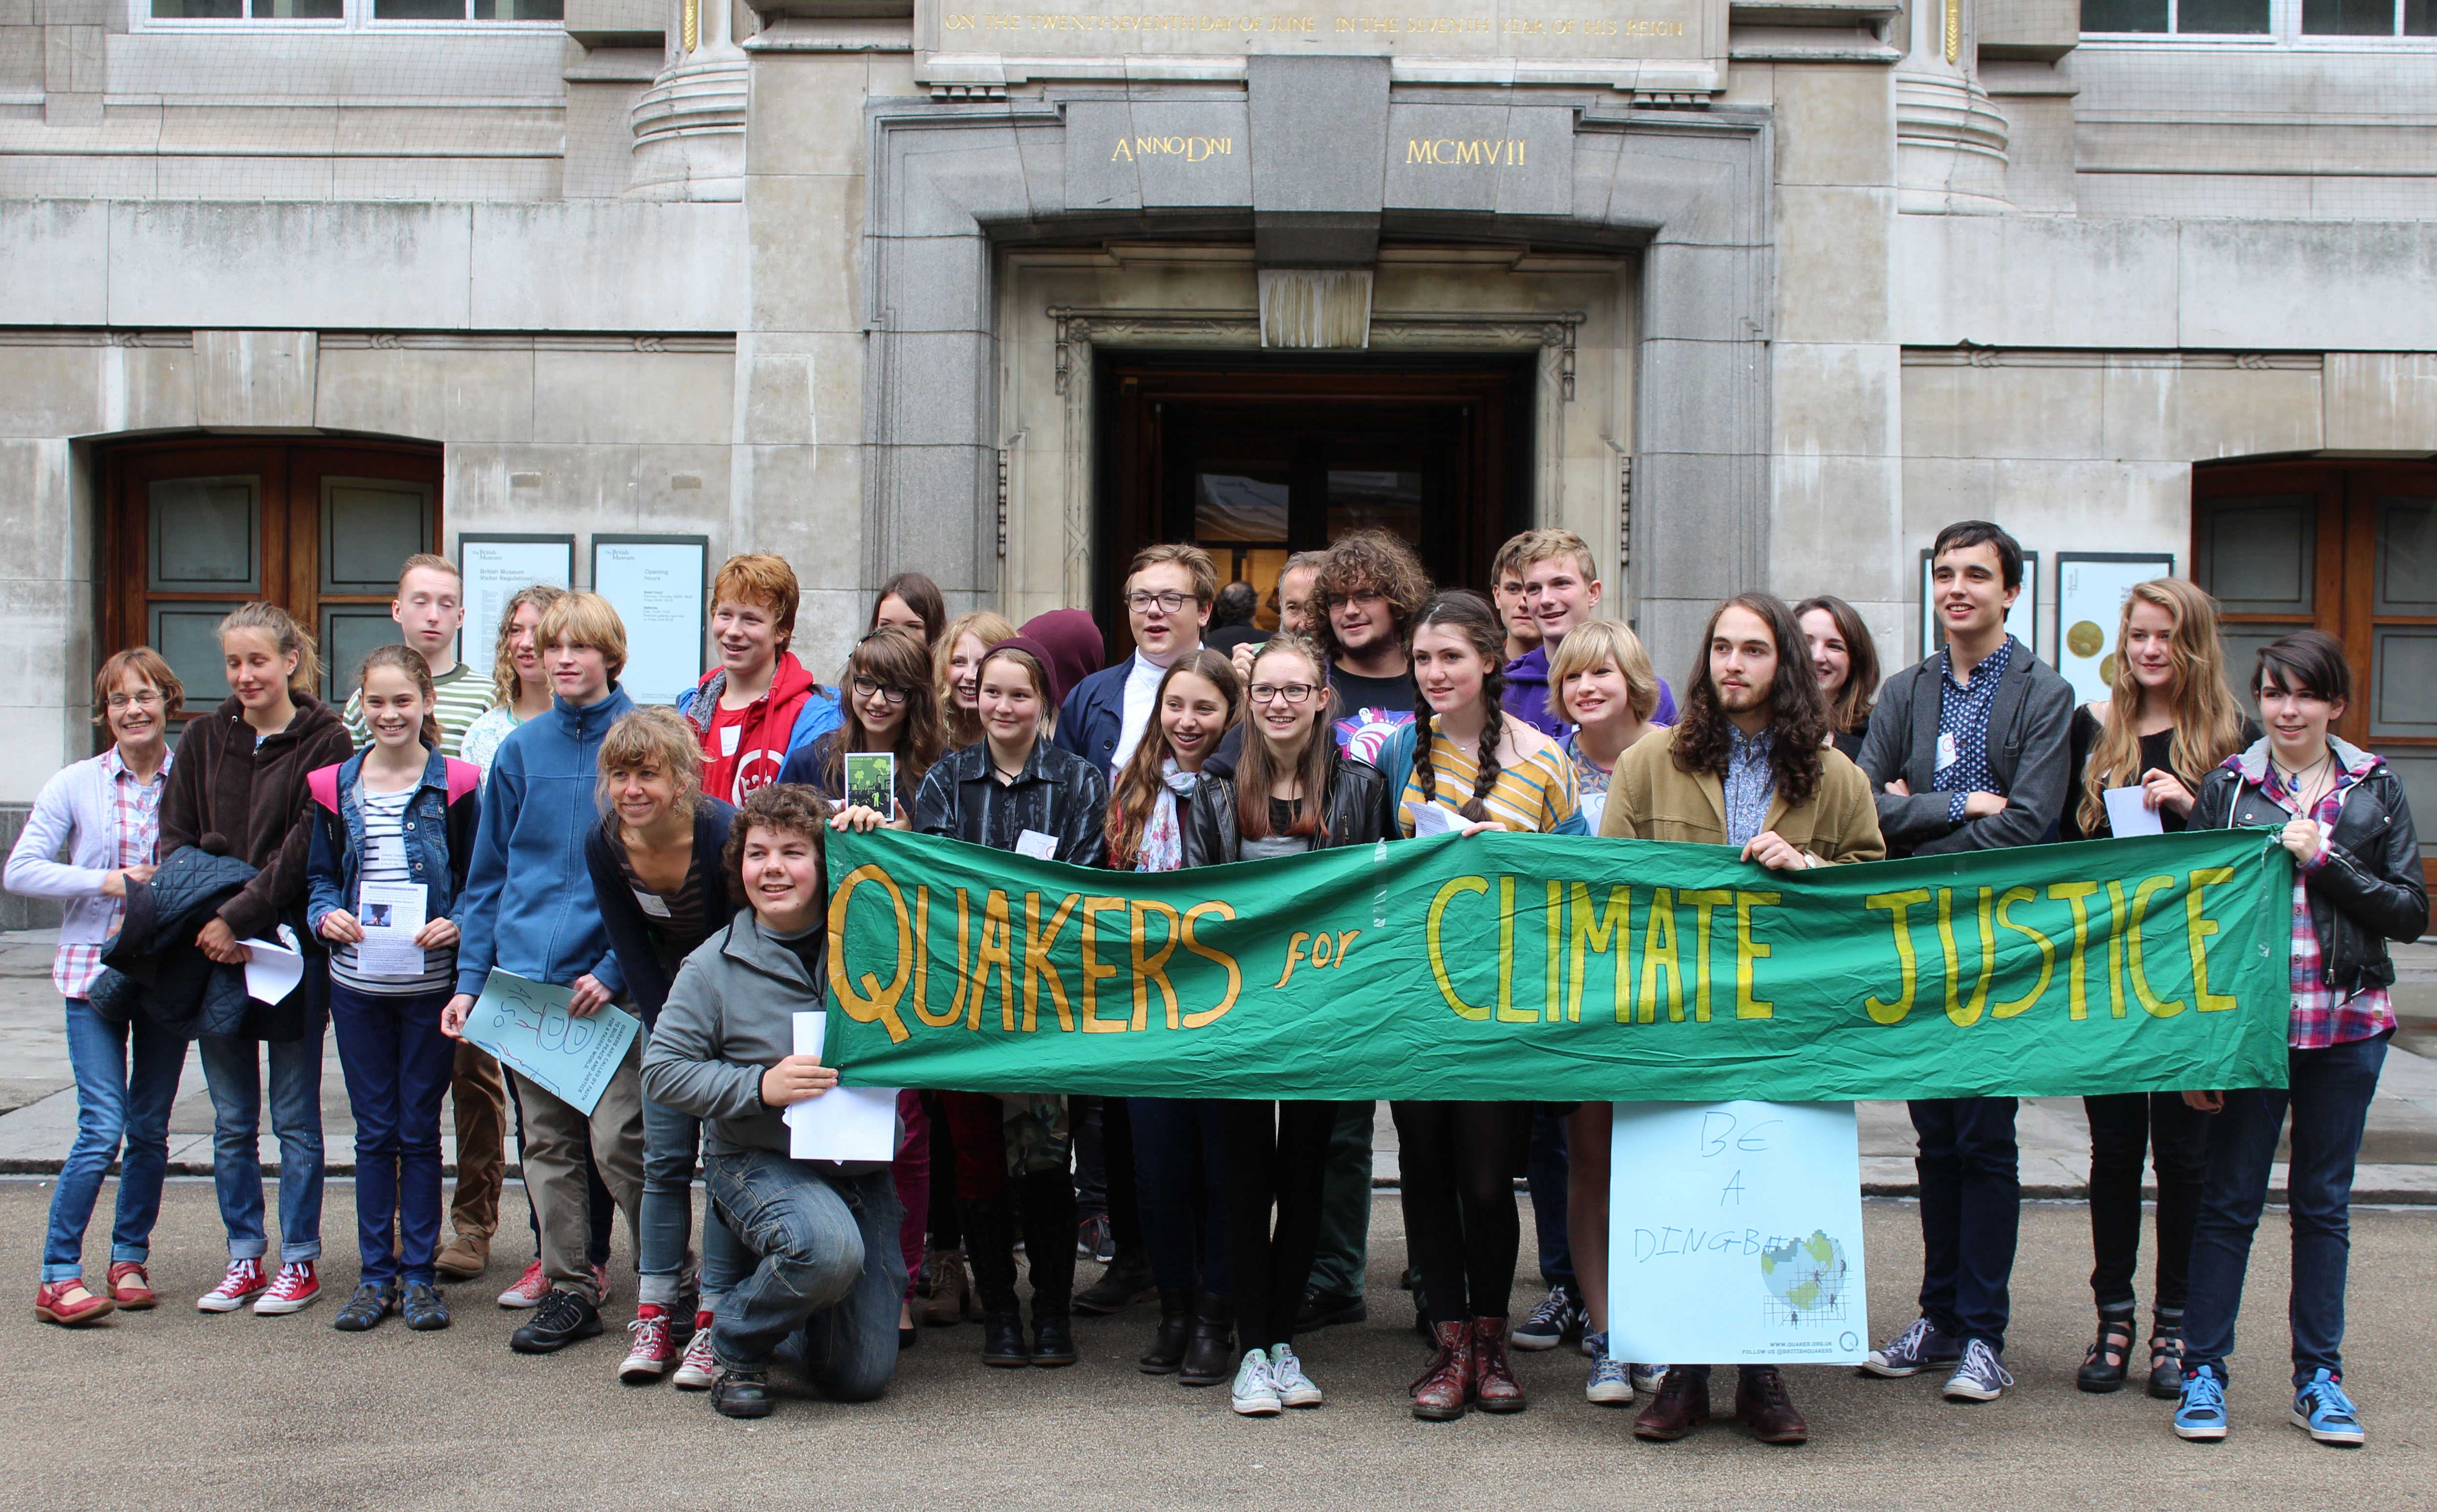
1537,794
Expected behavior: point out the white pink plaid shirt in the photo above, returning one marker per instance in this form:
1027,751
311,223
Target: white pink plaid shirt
2321,1017
135,818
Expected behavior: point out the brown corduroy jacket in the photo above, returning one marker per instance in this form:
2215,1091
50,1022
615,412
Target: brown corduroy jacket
254,799
1650,797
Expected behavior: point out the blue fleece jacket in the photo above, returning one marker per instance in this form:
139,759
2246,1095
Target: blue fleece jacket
527,906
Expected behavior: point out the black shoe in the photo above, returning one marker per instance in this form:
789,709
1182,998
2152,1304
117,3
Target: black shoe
907,1339
1210,1351
2166,1356
741,1392
1325,1310
1166,1351
422,1307
1053,1341
1003,1341
364,1310
563,1318
1125,1282
1411,1279
1093,1241
2103,1365
681,1315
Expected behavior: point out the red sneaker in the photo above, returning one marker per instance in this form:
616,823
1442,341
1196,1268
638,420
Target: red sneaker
601,1285
130,1286
70,1302
296,1288
700,1371
243,1283
654,1351
529,1289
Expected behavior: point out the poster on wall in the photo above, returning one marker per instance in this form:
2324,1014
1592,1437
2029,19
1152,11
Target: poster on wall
657,584
2091,588
1735,1233
496,568
2022,621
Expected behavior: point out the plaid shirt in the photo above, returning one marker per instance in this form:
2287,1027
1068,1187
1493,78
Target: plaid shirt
1749,786
1963,717
2320,1017
136,819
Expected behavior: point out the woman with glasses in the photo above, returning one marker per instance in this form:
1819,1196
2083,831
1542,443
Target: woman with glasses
1293,792
105,811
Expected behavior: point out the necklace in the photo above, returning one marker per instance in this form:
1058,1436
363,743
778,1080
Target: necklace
2299,781
1010,776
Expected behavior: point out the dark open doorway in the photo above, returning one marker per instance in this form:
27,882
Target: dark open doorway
1258,459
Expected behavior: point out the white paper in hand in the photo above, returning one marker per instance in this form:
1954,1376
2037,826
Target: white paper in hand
843,1123
2126,816
272,971
1432,818
391,915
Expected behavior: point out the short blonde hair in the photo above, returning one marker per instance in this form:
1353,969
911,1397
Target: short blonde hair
428,562
1586,646
1196,562
654,735
586,620
1535,546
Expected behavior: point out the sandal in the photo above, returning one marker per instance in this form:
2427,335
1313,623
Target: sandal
2103,1367
70,1303
2167,1359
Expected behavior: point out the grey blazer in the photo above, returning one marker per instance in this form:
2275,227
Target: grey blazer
2029,726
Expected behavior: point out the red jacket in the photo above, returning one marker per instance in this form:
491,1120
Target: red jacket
743,750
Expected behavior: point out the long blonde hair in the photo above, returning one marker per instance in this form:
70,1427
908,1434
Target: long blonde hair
287,636
962,729
503,661
2208,727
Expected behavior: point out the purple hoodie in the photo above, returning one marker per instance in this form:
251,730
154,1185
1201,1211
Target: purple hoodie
1527,695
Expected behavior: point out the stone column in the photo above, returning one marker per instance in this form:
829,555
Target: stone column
1949,139
690,125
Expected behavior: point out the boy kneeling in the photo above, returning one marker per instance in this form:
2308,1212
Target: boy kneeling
829,1273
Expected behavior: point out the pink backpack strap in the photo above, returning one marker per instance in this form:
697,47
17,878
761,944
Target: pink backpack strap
324,784
463,778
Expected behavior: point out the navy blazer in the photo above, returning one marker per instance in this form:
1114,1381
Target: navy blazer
1094,716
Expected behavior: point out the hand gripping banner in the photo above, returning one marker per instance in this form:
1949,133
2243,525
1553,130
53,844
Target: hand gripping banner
1563,969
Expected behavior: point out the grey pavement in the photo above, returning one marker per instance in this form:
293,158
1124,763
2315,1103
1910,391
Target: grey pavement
173,1409
2398,1158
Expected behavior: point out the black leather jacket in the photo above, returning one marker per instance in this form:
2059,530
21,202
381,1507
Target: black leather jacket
1059,795
2369,891
1357,812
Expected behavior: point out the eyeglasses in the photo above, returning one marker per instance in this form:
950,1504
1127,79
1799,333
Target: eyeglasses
1293,693
1142,602
146,699
1362,598
894,697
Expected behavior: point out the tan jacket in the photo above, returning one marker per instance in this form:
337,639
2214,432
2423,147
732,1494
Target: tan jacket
1650,797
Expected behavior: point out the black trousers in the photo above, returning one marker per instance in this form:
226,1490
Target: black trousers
1456,1164
1277,1153
2125,1130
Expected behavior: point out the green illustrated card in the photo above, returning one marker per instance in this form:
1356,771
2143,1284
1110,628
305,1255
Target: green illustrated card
871,782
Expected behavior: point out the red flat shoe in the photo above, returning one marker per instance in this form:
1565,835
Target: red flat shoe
130,1286
70,1303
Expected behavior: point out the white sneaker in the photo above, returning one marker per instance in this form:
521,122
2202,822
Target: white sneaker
1255,1394
1294,1388
698,1370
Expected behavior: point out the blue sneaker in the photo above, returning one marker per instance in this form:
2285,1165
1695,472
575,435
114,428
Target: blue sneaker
1559,1317
2201,1417
1980,1376
1646,1379
2322,1411
1610,1385
1913,1352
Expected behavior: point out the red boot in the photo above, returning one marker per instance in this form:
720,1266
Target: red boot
1445,1389
1493,1380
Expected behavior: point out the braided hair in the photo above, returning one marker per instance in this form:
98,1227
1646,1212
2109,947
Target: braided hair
1470,615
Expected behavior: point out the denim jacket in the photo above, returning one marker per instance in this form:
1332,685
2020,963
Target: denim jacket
439,833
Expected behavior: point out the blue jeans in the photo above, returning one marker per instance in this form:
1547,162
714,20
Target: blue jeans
232,1070
1184,1221
397,1067
1546,1173
2328,1092
126,1078
1971,1214
829,1277
664,1232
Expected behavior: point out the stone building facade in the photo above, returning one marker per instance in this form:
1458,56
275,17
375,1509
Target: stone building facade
1750,292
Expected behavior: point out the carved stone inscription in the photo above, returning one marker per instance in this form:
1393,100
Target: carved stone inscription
1543,30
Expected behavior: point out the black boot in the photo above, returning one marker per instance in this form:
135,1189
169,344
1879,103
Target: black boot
2167,1355
2103,1365
990,1245
1003,1339
1166,1351
1125,1282
1210,1352
1045,1209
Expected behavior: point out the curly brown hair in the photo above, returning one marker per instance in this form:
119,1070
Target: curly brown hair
1798,717
1372,561
789,808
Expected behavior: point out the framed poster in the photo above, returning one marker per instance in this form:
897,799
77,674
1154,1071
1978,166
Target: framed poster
658,585
2091,588
2022,621
496,568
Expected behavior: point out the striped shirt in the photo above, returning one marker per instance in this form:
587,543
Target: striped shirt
675,919
2323,1017
1536,795
135,818
384,860
462,696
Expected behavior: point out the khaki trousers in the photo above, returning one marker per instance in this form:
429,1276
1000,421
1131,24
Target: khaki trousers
480,1099
556,1135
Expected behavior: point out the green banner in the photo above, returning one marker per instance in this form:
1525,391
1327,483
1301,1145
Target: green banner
1560,968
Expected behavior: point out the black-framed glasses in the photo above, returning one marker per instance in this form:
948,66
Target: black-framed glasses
1296,693
894,697
1142,601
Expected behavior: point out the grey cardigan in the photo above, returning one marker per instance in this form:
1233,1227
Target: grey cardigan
2029,726
730,1016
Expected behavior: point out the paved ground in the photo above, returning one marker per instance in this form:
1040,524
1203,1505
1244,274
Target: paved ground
38,1101
173,1409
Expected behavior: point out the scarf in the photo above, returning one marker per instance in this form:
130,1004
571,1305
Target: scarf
1162,840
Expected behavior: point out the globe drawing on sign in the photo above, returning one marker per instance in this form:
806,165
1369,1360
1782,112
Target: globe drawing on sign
1805,1279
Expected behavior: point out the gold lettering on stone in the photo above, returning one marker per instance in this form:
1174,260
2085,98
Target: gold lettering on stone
1191,148
1447,152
